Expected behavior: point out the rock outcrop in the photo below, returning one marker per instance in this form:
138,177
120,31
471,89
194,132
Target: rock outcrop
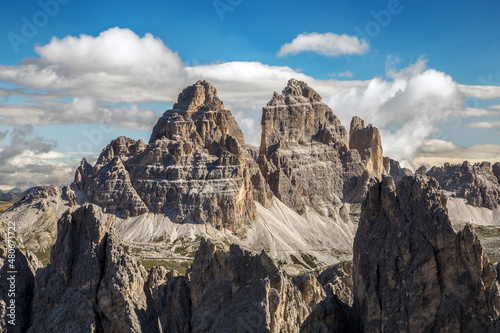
194,168
369,145
236,291
476,183
413,272
337,280
17,272
397,172
35,216
331,315
496,170
94,284
304,152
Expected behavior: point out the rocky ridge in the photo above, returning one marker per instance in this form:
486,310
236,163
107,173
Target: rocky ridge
93,284
367,141
478,183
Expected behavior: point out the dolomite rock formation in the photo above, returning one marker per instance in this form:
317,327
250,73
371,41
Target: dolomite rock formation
236,291
304,153
413,272
397,172
194,168
337,280
334,313
94,284
16,286
495,168
35,216
91,284
369,145
476,183
330,315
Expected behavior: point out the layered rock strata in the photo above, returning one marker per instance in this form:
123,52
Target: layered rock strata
194,168
304,152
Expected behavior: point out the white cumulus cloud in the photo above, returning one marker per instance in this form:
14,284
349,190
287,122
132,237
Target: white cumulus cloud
328,44
407,108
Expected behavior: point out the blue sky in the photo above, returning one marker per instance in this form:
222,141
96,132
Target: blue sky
59,85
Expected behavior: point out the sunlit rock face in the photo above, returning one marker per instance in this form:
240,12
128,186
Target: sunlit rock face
305,155
193,169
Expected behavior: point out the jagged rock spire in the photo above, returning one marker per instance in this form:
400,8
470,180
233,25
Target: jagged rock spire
367,140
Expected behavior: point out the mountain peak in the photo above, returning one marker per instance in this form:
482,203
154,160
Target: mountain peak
296,92
201,96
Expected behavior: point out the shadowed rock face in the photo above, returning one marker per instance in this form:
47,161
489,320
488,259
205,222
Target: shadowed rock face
193,170
412,271
477,183
18,286
239,292
93,284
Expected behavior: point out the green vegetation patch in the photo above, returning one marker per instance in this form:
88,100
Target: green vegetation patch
43,256
310,260
296,261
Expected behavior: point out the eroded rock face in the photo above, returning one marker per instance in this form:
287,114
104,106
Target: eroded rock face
91,284
94,284
397,172
496,170
239,292
476,183
194,168
337,280
331,315
17,271
413,272
304,152
35,216
366,139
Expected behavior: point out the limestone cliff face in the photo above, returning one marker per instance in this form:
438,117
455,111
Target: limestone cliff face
304,153
476,183
17,272
92,284
194,169
366,139
413,272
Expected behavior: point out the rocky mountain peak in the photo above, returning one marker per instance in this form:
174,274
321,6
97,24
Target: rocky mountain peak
198,117
413,271
194,168
201,96
296,92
